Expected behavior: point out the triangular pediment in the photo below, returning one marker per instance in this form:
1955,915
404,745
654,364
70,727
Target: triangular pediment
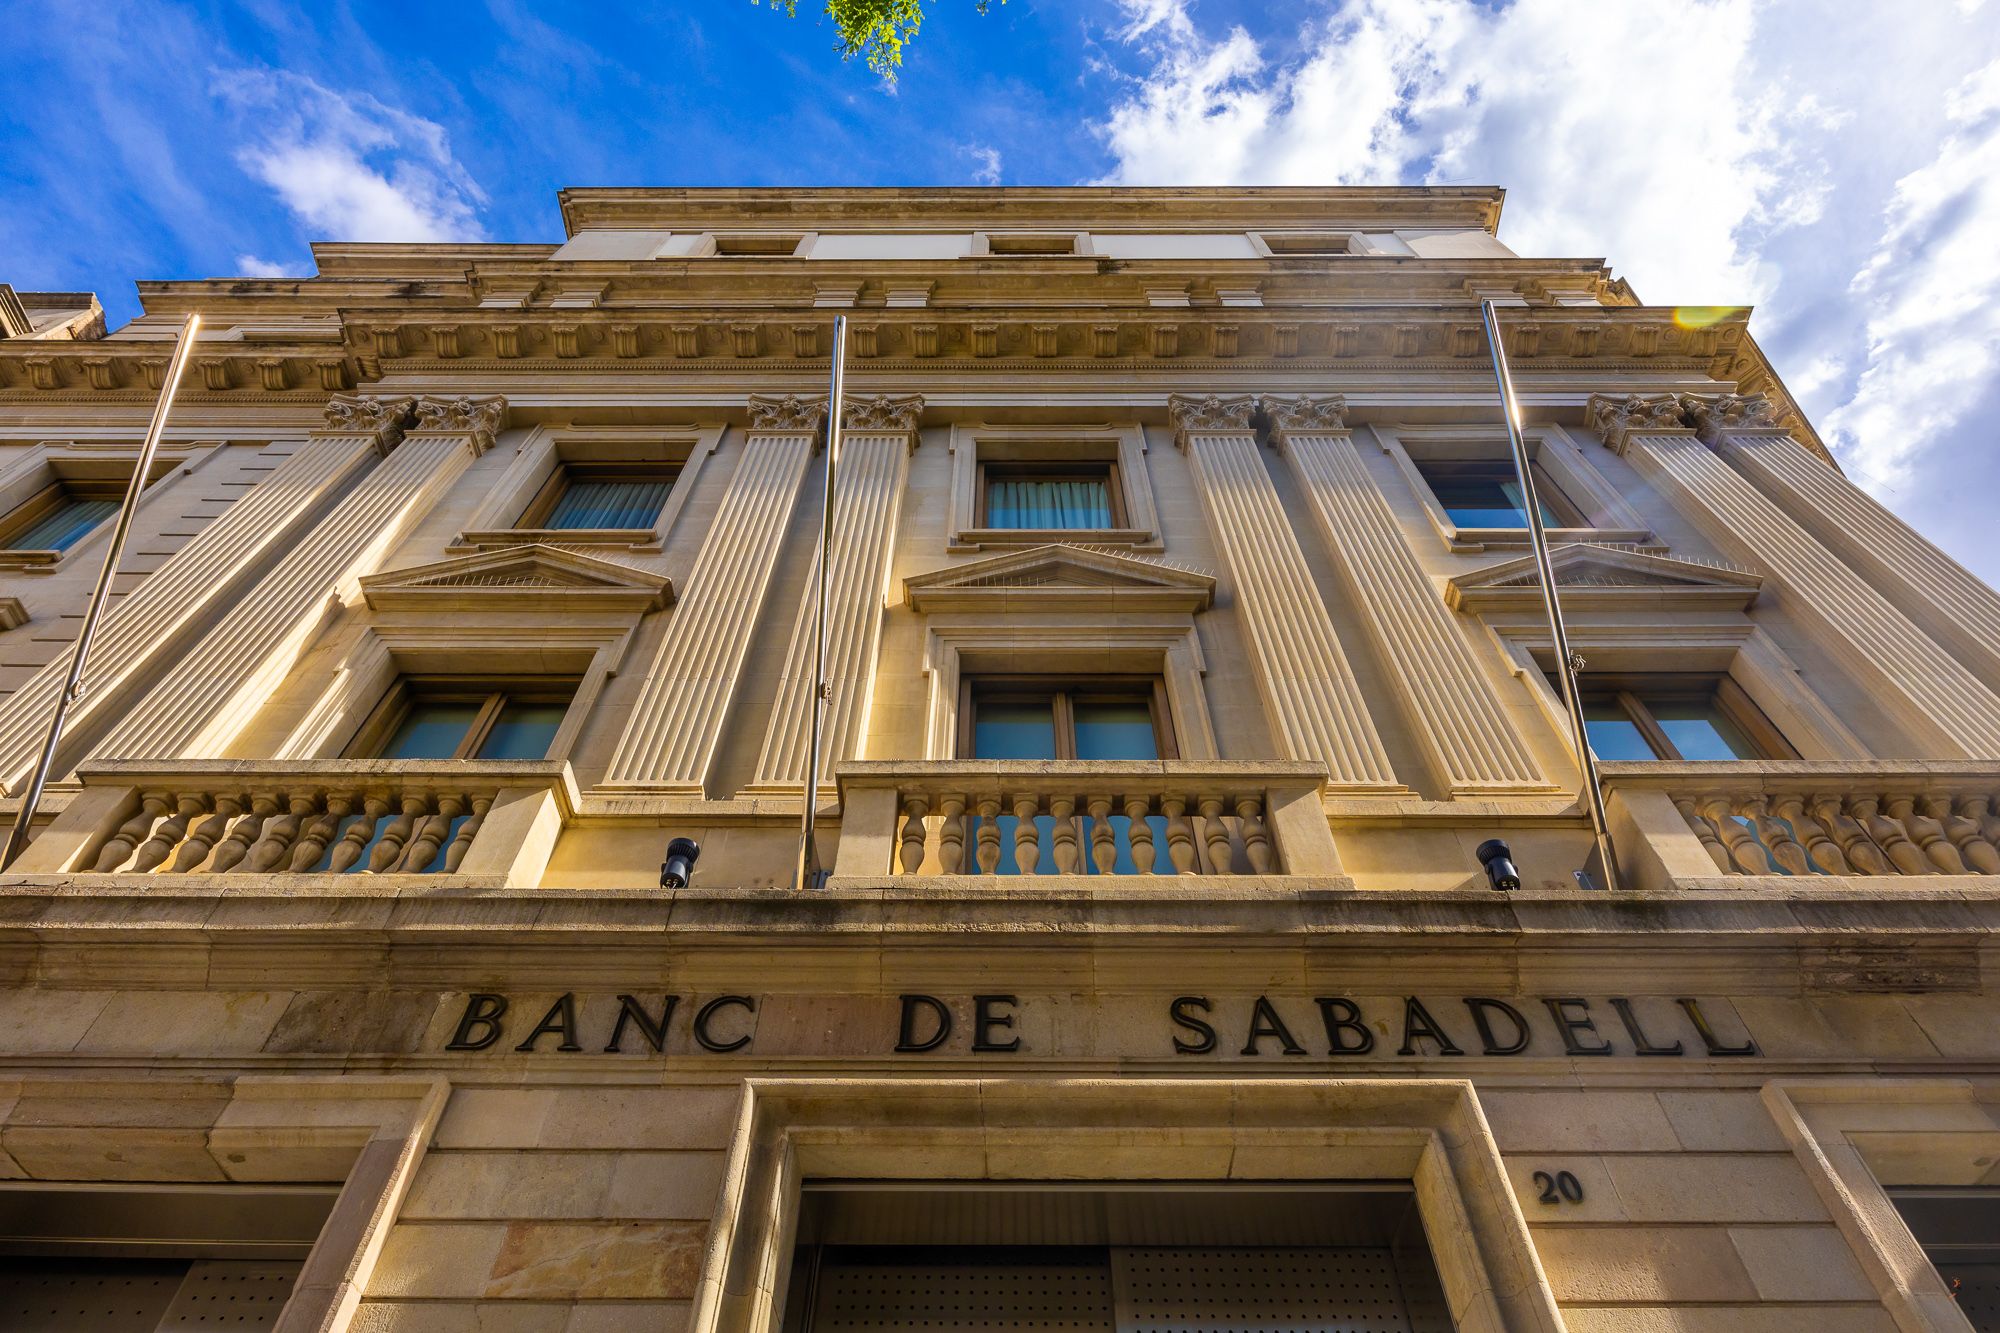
1074,576
1606,574
518,575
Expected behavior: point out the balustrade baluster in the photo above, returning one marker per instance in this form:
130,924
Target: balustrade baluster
1745,853
1139,836
390,848
1824,851
1256,840
1928,834
1980,857
1180,834
152,805
431,833
989,835
275,847
951,835
1890,836
1698,823
374,806
912,842
312,843
1216,834
1777,839
1069,858
1027,836
1979,809
1862,853
171,830
201,839
1103,838
461,843
229,853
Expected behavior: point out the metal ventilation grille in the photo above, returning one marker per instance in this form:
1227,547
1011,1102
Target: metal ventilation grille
1976,1287
95,1296
1185,1290
231,1294
964,1298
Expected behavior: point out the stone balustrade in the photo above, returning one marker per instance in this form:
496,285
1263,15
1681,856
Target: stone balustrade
1170,817
276,817
1805,819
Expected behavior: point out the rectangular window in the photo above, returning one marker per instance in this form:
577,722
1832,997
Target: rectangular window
1700,719
1959,1230
1485,493
442,718
1048,496
1305,243
1031,243
746,244
60,516
584,496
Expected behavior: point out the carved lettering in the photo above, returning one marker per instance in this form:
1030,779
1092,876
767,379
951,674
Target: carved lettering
631,1010
1481,1008
906,1030
1640,1044
708,1012
1342,1016
985,1019
1204,1041
1264,1022
1573,1026
1708,1037
1418,1025
483,1012
561,1018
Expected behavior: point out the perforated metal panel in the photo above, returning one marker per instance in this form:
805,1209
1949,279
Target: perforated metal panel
91,1296
964,1298
230,1293
1188,1290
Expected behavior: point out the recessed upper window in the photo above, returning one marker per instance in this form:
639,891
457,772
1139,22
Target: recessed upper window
443,718
1486,493
766,243
593,497
59,516
1050,496
1108,720
1031,242
1692,718
1305,243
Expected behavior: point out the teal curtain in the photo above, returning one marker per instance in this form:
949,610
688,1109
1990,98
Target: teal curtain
1084,502
610,504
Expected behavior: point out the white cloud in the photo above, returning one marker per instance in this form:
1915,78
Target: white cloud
351,167
988,170
1932,292
250,266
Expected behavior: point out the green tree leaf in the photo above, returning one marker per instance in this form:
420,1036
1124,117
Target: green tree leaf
875,30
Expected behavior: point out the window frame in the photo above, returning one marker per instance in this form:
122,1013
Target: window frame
1064,692
1636,693
545,455
1120,449
492,693
1547,489
566,474
1031,470
47,501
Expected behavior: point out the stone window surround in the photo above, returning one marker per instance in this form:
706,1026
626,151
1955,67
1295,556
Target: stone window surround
1856,1139
52,462
546,448
1431,1132
1551,448
384,653
368,1132
957,645
1123,445
1742,652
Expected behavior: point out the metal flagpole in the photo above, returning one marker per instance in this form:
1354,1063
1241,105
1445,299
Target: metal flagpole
73,683
1603,868
811,874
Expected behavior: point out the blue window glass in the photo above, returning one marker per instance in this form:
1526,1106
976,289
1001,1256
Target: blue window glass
591,503
1486,494
68,523
431,731
1701,731
522,731
1048,502
1613,734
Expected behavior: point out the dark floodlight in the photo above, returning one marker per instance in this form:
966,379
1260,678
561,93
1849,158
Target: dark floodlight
1498,859
682,853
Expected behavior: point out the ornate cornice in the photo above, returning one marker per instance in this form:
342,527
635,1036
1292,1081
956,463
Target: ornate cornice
479,419
1209,412
1615,417
1305,414
792,412
885,413
1713,414
361,414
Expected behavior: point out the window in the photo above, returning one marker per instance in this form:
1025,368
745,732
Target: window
465,718
596,497
1050,496
60,516
758,243
1700,719
1483,493
1031,243
1305,243
1959,1230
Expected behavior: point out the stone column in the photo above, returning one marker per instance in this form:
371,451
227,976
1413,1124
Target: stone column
1948,713
1925,584
867,506
1310,694
1466,733
200,706
670,741
142,629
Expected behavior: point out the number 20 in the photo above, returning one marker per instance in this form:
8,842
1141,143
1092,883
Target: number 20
1560,1187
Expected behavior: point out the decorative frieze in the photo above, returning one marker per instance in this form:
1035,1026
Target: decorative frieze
1467,735
1311,697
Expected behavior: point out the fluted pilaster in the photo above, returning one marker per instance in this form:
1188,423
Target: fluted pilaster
867,507
1929,586
208,697
670,741
1945,708
141,629
1465,732
1310,695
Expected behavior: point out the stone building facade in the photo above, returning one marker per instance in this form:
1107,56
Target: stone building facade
1184,647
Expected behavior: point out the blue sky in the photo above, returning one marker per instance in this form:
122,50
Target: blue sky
1834,162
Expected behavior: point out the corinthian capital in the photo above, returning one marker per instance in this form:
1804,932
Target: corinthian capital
359,414
884,413
1209,412
1714,413
479,419
1617,417
793,412
1305,415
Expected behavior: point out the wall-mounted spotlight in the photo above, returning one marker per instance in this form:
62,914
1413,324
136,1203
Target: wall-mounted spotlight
1498,859
678,869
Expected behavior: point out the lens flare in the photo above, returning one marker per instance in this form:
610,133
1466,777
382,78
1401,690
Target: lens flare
1702,316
